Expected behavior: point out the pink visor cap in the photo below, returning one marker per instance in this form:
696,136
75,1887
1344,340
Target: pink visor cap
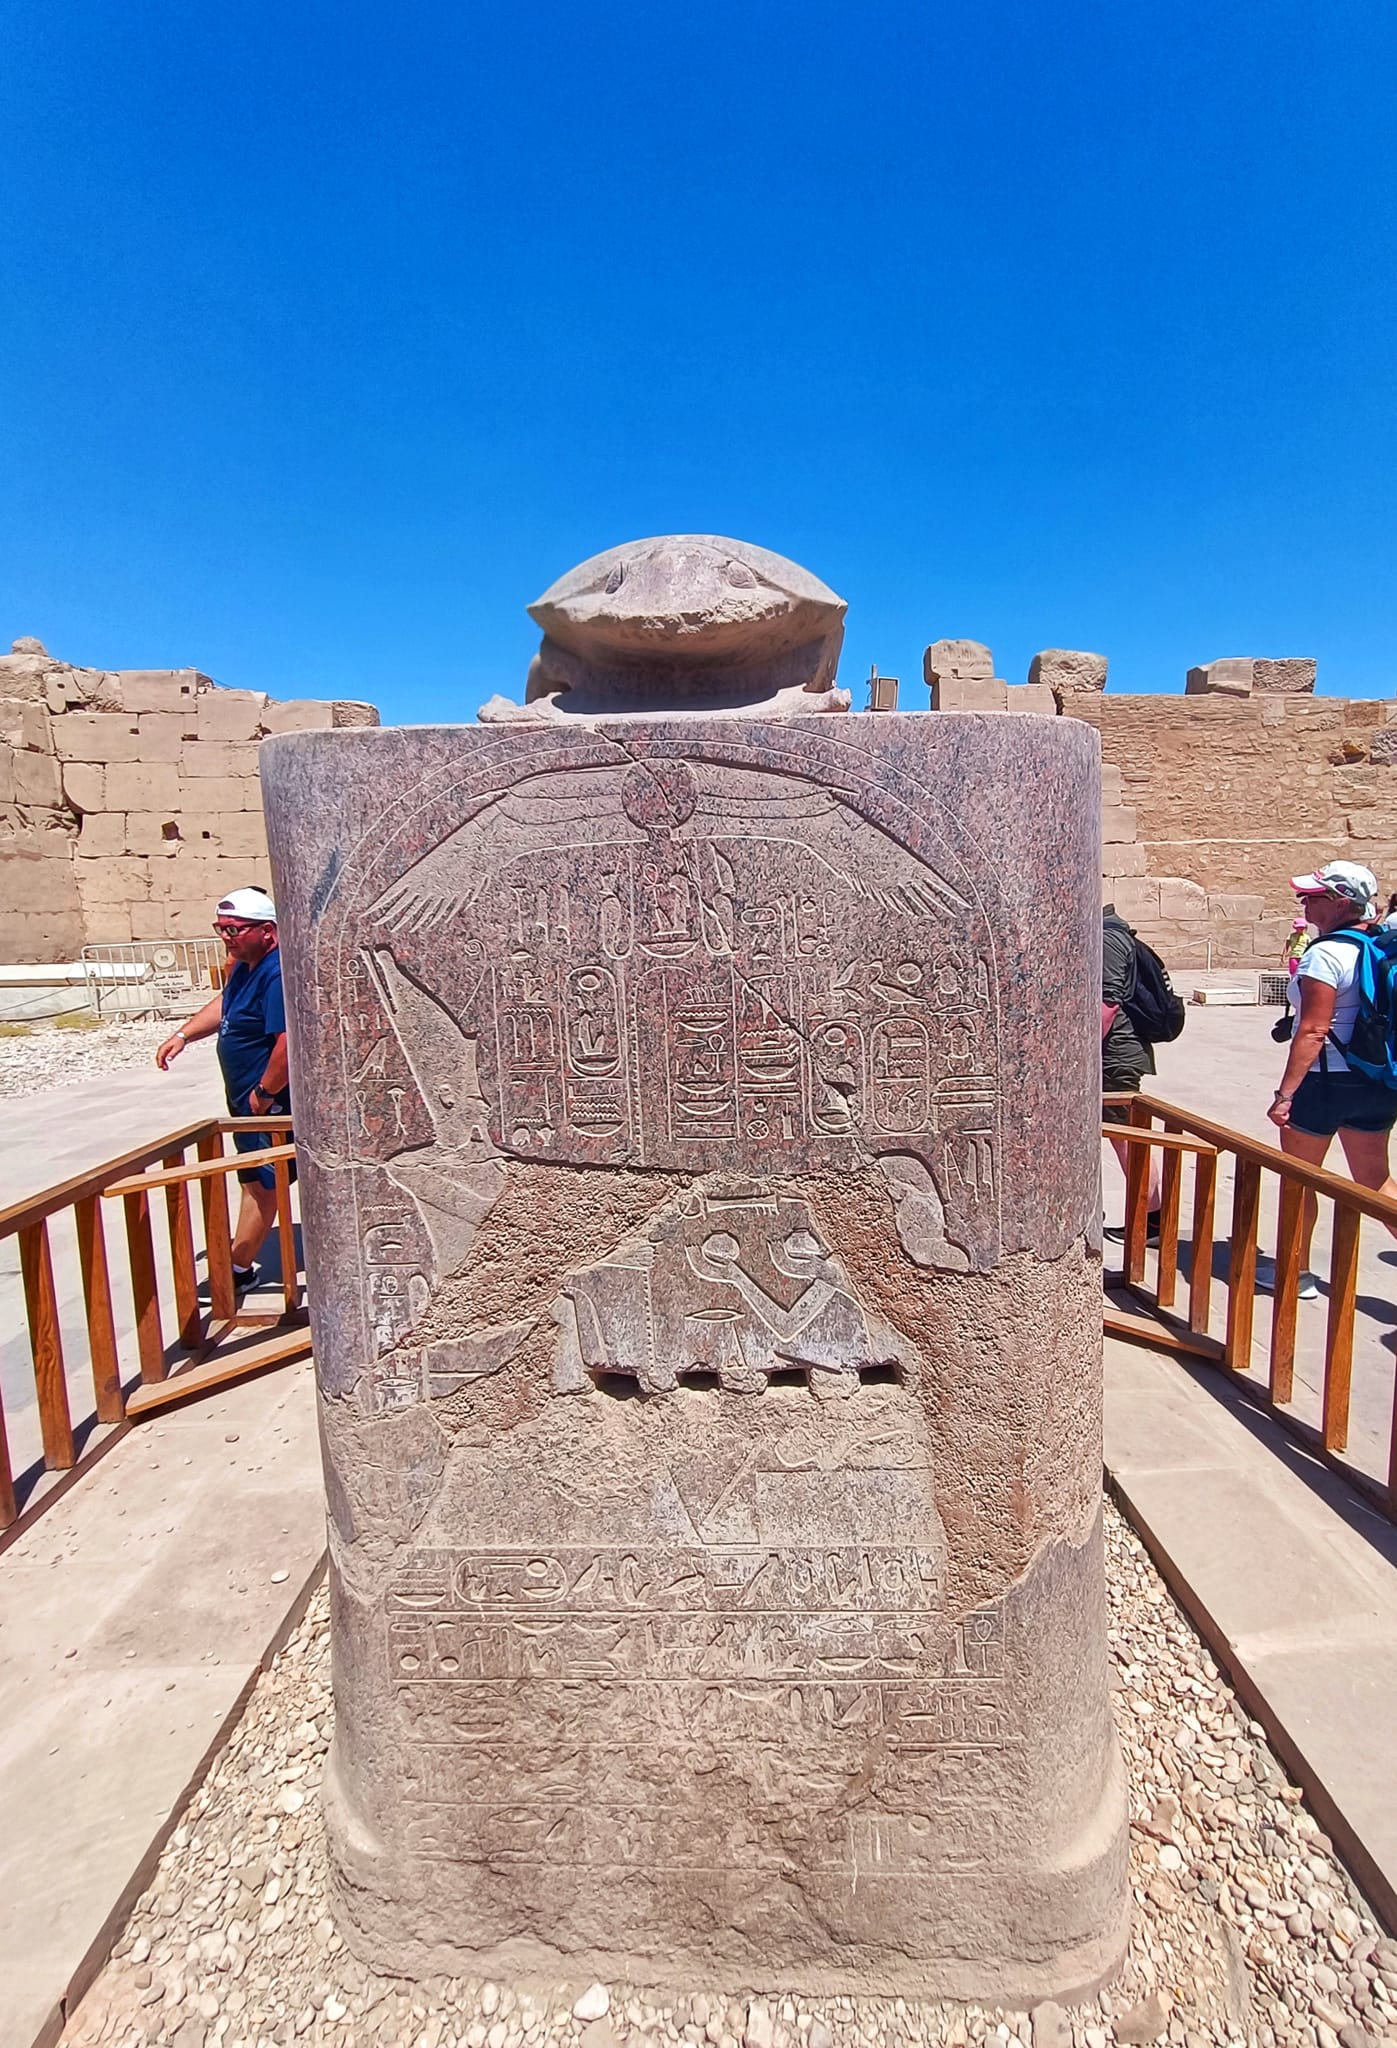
1342,878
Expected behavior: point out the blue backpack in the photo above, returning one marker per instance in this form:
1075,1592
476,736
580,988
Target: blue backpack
1372,1044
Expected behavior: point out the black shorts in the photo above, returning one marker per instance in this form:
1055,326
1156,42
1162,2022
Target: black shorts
1326,1103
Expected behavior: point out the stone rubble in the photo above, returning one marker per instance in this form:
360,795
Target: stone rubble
1247,1928
36,1061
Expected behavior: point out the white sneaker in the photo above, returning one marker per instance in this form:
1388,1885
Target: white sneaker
1308,1290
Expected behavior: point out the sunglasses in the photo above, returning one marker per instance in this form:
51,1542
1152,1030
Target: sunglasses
235,931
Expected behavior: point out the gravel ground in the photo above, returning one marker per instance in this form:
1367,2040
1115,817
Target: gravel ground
1246,1927
36,1061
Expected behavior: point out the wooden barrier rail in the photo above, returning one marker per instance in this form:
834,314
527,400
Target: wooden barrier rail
1182,1134
207,1332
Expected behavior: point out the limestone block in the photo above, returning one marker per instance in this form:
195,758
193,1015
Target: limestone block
23,673
957,660
218,757
1135,900
222,793
198,877
1234,909
112,924
1292,677
118,880
7,774
163,734
163,918
348,713
42,886
154,833
1112,783
103,834
84,786
37,779
954,693
242,833
1182,900
1382,747
1118,860
1119,822
97,736
38,938
1033,699
299,714
24,723
1066,671
32,834
161,689
229,714
1231,677
143,786
847,1267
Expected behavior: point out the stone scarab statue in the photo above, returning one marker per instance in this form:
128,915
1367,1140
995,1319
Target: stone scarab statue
686,623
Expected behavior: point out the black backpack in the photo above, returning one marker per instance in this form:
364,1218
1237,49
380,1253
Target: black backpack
1154,1010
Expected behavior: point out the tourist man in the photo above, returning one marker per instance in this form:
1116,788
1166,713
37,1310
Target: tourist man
250,1018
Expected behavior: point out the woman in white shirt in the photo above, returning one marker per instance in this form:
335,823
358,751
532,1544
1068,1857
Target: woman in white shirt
1320,1096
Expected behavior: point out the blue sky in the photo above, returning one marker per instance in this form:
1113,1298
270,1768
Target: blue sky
332,334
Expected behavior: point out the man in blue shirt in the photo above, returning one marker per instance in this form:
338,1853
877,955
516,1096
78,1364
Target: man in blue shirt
249,1016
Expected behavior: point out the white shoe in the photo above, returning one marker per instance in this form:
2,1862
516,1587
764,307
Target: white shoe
1308,1290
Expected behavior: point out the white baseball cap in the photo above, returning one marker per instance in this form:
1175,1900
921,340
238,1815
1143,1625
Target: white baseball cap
1342,878
255,906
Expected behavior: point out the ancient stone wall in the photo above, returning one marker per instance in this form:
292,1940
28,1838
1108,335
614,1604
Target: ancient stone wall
1213,802
129,799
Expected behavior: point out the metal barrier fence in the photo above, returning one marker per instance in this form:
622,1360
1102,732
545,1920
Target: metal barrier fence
152,977
207,1347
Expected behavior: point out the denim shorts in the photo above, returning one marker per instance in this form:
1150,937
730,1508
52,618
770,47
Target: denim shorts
1326,1103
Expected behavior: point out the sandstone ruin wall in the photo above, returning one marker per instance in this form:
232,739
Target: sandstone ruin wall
129,799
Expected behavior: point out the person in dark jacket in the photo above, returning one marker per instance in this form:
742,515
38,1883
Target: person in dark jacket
1125,1058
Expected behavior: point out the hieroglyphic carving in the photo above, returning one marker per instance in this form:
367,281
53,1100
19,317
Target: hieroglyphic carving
733,1280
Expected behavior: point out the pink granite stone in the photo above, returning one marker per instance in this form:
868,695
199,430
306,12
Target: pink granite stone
698,1126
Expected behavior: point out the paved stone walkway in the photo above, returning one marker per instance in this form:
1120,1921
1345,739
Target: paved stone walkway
1292,1576
134,1616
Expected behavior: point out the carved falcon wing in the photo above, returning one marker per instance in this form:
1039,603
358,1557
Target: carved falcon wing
856,853
575,808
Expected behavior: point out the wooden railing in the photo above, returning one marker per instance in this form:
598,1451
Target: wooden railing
1180,1135
206,1342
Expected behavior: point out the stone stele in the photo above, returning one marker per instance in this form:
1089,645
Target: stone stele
698,1135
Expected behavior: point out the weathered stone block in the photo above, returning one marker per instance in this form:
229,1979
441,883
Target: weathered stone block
1234,909
161,689
1182,900
7,774
1118,859
199,877
221,793
1231,677
97,736
112,924
41,936
954,693
1135,900
241,833
103,834
118,880
1290,678
23,673
229,714
1112,783
153,833
84,786
219,757
962,660
1118,822
696,1060
300,714
1033,699
143,786
347,713
24,723
1382,746
163,736
37,780
1067,671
